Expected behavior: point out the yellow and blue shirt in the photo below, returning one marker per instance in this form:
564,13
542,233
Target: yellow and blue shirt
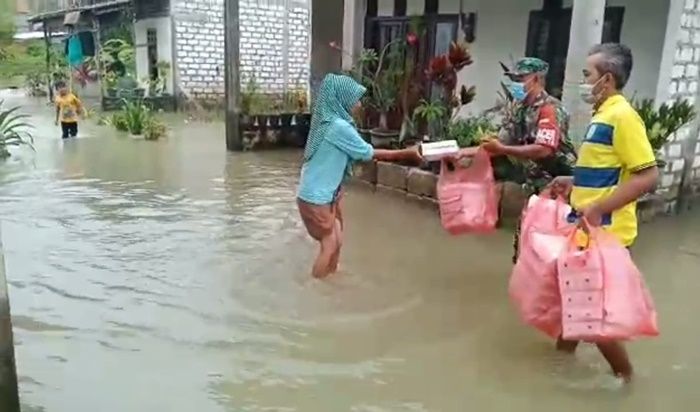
615,147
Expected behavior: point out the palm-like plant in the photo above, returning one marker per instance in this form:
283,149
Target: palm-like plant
136,116
14,130
663,122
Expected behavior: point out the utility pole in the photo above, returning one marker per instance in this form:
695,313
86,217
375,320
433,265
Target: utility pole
234,139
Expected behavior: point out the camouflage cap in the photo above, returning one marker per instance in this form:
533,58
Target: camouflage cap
528,65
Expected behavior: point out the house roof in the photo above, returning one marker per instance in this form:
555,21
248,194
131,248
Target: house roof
98,7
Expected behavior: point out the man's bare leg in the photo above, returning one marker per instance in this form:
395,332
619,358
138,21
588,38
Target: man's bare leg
616,355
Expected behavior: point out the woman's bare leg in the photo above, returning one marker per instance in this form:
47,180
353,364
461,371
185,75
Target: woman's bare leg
616,355
321,268
335,258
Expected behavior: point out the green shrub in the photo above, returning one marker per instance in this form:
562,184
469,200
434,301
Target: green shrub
14,130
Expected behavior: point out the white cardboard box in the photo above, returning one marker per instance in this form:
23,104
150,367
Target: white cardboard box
437,151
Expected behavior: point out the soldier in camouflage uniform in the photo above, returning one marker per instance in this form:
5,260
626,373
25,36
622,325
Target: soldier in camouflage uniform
535,130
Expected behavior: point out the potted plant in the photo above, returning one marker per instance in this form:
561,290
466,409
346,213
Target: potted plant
662,123
163,68
433,113
411,89
136,117
443,71
385,92
110,81
154,129
249,101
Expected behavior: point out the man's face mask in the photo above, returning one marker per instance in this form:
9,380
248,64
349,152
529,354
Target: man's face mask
588,92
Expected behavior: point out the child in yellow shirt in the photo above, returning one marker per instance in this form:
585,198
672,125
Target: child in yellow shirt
68,108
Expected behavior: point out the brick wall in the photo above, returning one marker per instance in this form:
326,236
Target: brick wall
683,152
274,45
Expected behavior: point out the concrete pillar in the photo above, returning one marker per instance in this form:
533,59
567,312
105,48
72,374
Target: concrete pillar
587,20
353,30
9,397
326,27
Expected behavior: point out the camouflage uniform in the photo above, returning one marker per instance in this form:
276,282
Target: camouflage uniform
544,121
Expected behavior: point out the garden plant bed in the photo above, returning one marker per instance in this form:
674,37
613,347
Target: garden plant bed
157,103
419,186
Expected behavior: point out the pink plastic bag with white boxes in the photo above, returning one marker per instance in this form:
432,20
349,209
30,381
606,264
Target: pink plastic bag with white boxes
533,288
468,196
603,293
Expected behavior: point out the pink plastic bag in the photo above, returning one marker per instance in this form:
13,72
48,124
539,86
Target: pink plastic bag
603,293
468,196
533,288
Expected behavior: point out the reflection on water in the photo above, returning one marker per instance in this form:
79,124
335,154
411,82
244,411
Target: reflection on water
170,276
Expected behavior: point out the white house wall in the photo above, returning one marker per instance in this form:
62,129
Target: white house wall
274,45
501,32
163,27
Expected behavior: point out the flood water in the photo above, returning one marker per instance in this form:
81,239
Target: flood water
172,276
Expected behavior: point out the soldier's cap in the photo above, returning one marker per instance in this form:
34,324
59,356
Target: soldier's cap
528,65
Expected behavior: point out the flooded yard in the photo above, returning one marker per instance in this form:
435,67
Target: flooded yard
173,276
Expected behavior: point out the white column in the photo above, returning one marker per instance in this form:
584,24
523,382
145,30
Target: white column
587,19
353,30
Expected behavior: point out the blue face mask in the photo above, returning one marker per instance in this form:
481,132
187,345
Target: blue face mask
517,90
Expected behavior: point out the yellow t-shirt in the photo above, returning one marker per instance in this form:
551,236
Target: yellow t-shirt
615,147
69,106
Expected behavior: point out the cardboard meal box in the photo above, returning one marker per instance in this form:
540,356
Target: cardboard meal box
436,151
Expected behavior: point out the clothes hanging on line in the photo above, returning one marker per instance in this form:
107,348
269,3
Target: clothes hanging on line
78,46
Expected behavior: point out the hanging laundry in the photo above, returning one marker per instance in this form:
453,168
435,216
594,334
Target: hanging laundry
75,51
87,40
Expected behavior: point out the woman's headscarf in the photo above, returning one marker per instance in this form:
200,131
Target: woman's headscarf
335,100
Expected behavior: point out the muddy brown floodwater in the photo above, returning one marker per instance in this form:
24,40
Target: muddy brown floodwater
172,276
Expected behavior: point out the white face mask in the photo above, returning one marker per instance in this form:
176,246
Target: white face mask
587,92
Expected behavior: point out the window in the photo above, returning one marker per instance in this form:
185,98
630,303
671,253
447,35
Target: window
440,31
548,38
152,45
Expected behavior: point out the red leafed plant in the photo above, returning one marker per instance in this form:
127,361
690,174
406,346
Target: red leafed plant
443,71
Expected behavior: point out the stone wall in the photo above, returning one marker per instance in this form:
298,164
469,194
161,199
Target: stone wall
274,45
683,152
420,187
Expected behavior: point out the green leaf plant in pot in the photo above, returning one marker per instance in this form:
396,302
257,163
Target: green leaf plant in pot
433,114
385,84
662,123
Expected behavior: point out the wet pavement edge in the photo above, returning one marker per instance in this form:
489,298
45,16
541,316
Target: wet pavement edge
9,396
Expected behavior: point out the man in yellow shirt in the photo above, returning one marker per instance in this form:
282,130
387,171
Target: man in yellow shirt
615,167
68,107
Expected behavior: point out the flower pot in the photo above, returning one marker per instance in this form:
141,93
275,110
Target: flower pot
273,121
261,121
137,136
383,139
112,92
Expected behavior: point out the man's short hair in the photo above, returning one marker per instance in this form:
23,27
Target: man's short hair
60,84
616,59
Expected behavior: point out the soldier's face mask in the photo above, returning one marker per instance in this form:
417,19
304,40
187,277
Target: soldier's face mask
518,89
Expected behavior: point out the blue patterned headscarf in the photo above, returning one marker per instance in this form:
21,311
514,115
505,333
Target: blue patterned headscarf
336,97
